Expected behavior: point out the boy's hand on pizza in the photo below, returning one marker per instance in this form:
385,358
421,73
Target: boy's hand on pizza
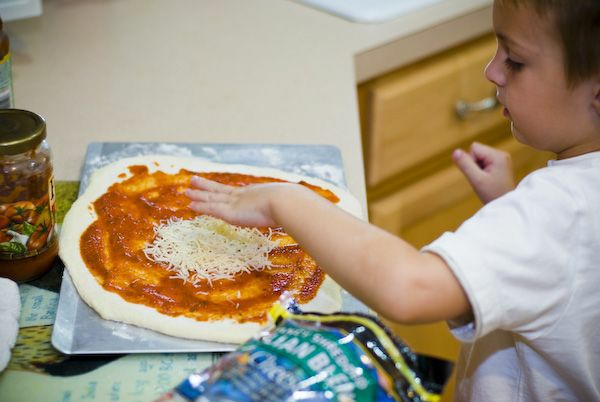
243,206
489,170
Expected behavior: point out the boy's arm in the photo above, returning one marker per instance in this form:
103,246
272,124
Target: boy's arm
385,272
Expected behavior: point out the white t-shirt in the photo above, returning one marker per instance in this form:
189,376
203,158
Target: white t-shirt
529,263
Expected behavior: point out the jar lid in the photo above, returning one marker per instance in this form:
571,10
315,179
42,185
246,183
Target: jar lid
20,131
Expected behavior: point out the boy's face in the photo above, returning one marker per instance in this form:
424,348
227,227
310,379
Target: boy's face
529,75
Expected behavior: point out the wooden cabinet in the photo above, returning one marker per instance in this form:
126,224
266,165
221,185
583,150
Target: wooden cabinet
421,211
410,114
410,126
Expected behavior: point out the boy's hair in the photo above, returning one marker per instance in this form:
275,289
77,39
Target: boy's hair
578,25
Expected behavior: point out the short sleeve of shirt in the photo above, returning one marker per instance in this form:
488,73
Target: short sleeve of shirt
514,257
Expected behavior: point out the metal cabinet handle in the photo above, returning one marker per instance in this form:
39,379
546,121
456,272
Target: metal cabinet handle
463,109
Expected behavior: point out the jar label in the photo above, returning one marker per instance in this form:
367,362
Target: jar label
6,95
27,227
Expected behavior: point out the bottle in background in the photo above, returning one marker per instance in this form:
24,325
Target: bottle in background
6,90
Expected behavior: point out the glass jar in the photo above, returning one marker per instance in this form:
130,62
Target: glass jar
28,240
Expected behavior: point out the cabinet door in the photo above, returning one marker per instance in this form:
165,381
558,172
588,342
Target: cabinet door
409,115
422,211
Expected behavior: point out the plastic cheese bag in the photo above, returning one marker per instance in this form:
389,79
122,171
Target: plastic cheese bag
316,357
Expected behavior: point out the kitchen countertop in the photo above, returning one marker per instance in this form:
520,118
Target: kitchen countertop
227,71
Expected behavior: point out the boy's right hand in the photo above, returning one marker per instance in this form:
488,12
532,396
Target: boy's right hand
243,206
489,170
251,205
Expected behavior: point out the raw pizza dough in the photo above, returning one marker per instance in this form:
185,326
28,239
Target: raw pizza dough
112,307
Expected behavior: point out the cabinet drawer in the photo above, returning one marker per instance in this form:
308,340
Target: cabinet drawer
422,211
409,115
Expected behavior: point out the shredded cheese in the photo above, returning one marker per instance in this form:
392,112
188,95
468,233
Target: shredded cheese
207,248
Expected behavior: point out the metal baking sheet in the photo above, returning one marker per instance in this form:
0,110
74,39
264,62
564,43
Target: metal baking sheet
80,330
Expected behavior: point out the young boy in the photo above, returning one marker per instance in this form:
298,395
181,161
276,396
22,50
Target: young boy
518,282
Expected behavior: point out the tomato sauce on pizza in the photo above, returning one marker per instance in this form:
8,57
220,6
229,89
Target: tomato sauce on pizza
112,248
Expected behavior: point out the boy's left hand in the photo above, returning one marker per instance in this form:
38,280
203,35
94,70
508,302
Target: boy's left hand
489,170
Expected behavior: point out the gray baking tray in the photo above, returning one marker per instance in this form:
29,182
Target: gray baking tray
80,330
